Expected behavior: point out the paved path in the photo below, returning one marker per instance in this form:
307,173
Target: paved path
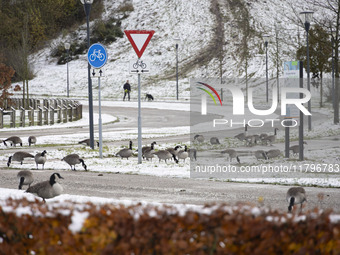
176,190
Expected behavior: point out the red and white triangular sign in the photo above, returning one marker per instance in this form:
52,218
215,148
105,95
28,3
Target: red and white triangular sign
139,39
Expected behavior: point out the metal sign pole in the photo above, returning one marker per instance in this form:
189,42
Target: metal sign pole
287,142
139,125
100,122
301,156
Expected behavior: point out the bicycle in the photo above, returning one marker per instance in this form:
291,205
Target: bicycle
139,63
97,54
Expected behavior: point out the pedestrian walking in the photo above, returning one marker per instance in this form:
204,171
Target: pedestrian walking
127,89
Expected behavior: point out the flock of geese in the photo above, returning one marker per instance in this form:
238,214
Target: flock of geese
51,188
40,158
252,140
149,152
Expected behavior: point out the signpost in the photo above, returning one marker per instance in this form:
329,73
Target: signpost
139,40
293,78
97,58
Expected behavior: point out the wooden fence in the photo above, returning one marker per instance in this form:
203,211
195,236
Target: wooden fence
40,112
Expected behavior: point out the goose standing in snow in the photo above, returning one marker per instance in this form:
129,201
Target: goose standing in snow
296,148
232,154
214,140
192,154
147,149
19,156
73,160
25,178
40,158
165,155
199,138
32,140
148,153
14,141
183,154
174,151
295,195
47,189
87,142
242,135
260,154
270,139
126,152
273,153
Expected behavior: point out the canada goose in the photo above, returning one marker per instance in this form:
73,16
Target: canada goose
165,155
174,151
263,136
214,140
25,178
40,158
192,154
232,154
126,152
273,153
270,138
73,160
243,135
147,149
260,154
148,152
19,156
183,154
295,195
252,140
296,148
199,138
87,142
14,140
32,140
47,189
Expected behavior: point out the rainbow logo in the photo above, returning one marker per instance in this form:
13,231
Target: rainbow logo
209,93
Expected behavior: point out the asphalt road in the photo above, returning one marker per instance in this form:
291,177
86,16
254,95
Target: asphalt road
177,190
163,189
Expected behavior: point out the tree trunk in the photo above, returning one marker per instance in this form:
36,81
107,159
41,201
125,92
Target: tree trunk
23,94
321,92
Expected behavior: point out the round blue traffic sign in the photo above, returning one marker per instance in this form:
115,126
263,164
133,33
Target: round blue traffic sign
96,55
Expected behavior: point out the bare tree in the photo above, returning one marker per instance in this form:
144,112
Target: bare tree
329,18
19,60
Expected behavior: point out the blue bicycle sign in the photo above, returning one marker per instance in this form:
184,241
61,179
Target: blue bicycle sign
97,55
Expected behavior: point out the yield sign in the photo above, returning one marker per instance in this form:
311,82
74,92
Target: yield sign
139,39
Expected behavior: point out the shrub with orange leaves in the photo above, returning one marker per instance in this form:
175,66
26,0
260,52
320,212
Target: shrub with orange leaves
37,228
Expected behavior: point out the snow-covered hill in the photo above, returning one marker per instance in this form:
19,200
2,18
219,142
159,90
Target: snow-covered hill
200,25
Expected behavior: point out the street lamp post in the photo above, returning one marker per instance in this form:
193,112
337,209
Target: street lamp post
87,6
306,18
265,38
177,40
67,48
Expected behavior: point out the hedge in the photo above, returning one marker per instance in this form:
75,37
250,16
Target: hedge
31,227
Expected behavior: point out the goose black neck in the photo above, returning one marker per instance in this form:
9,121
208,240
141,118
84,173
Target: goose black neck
291,202
52,179
22,179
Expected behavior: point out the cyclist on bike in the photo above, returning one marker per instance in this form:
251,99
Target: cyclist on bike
127,89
